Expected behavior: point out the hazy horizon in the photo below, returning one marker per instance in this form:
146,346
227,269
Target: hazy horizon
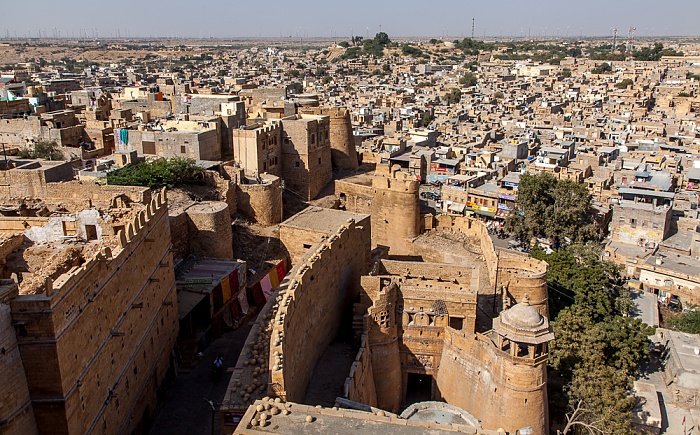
314,18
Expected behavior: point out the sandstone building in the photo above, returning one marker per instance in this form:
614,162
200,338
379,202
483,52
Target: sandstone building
93,305
306,154
466,327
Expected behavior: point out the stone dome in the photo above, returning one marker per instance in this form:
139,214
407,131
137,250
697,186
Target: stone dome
523,316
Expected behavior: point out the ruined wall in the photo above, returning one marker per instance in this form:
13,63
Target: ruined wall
98,342
395,213
225,190
343,153
499,390
473,228
633,222
34,175
320,291
16,413
19,132
356,198
76,194
359,385
209,230
197,145
261,202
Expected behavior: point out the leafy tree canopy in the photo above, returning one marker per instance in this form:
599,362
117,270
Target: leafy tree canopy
469,79
553,209
624,84
655,53
47,150
157,173
454,96
688,321
597,347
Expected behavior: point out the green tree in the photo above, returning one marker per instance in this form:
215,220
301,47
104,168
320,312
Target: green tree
566,73
352,53
382,39
410,50
624,84
498,95
295,88
454,96
157,173
655,53
47,150
597,347
688,321
552,208
344,44
469,79
427,118
603,68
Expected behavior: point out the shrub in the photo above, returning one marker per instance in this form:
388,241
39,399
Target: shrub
157,173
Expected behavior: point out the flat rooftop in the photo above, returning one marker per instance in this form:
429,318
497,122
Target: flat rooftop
675,262
324,220
312,420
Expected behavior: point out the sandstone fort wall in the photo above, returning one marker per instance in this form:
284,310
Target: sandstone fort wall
322,287
16,413
499,390
97,343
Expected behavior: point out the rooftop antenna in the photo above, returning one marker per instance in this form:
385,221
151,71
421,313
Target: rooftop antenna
630,35
614,30
472,27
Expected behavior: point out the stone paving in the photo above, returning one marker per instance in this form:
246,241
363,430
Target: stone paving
185,411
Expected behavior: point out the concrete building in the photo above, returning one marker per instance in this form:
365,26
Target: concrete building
190,139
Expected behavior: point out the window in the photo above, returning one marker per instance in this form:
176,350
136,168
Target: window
264,166
296,164
307,246
183,149
313,139
319,160
149,147
456,323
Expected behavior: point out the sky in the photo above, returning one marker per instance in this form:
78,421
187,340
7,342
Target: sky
340,19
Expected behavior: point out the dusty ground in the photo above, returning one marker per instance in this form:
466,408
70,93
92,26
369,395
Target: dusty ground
259,246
